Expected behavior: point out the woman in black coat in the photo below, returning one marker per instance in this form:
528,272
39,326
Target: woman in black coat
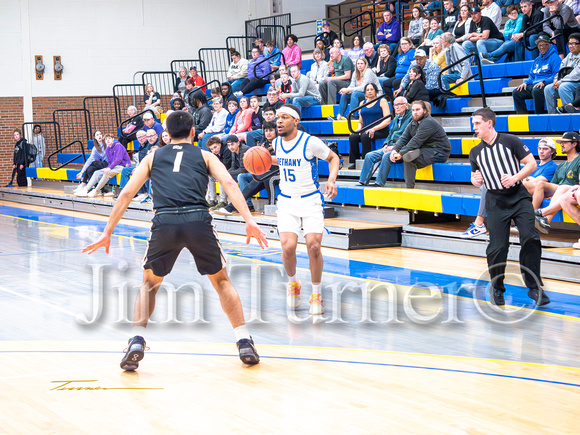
20,160
416,89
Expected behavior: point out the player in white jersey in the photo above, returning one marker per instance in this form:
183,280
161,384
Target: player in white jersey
300,203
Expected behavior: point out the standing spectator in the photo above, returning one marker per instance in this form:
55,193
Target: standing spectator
292,53
483,35
554,27
258,71
461,28
237,71
492,11
129,133
305,93
98,159
387,64
356,49
343,69
450,17
495,163
319,69
38,142
354,93
272,50
368,115
454,52
543,71
20,160
181,78
217,124
568,78
423,143
197,79
398,125
416,25
512,26
389,31
404,58
371,55
152,99
531,16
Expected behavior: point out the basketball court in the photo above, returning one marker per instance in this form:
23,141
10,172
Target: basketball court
408,342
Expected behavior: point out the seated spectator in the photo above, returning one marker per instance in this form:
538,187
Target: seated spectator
434,31
371,55
277,83
387,64
432,7
237,71
492,11
415,89
342,69
512,26
305,93
416,25
98,158
338,44
424,32
238,151
569,203
483,35
259,71
233,111
257,118
423,143
38,142
462,25
197,79
273,99
437,55
216,125
568,78
178,104
398,124
328,35
181,78
152,100
243,120
292,53
325,49
565,177
255,136
389,31
531,16
355,92
543,71
20,160
356,50
188,95
453,52
369,115
405,56
224,155
117,159
228,93
319,69
286,84
450,17
150,122
165,139
272,50
554,27
430,72
129,132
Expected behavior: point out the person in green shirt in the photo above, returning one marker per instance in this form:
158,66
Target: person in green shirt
341,70
565,177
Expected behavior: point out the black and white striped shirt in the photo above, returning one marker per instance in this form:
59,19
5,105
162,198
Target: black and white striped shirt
501,157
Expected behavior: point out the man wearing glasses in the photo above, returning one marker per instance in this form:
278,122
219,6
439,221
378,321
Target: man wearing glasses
568,78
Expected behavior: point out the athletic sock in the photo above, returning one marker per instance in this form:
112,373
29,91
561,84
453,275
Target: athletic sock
138,330
292,278
316,288
242,332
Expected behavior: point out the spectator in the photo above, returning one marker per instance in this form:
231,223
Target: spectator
188,95
273,99
568,78
425,31
423,143
430,72
454,52
389,31
258,72
129,133
530,16
243,120
434,31
330,36
369,115
437,55
197,79
398,125
238,151
569,203
216,125
255,136
150,122
554,27
277,83
224,154
285,84
20,160
371,55
38,142
338,44
387,64
324,48
342,68
181,78
227,93
98,159
150,142
179,104
233,111
292,53
565,177
272,50
450,17
356,50
257,116
416,25
483,35
319,69
117,159
305,93
543,71
404,58
415,89
152,99
492,11
433,7
354,93
176,95
512,26
237,71
461,28
165,139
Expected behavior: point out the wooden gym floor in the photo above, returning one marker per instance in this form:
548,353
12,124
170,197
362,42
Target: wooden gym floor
424,353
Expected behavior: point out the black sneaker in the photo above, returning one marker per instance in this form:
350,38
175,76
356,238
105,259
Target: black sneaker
133,354
542,224
561,109
538,295
248,353
496,296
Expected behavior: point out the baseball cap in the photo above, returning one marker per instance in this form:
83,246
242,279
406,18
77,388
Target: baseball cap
475,10
193,68
420,53
232,138
569,136
148,115
543,37
548,142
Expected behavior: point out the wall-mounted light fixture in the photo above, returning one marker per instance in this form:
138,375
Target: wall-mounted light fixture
58,68
39,67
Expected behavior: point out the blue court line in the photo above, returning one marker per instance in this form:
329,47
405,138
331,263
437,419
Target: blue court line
562,303
338,361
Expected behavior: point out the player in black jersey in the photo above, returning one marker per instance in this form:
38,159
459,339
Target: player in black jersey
179,177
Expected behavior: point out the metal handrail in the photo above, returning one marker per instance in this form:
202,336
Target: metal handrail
266,59
187,62
259,26
71,160
372,124
541,23
478,74
206,85
359,29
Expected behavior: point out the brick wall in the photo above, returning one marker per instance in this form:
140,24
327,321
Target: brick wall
11,117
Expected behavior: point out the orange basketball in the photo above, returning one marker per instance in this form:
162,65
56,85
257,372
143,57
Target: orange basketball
257,160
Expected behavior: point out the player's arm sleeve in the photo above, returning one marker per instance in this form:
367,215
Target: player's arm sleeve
316,148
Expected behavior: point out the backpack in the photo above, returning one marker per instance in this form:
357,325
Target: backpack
32,152
334,148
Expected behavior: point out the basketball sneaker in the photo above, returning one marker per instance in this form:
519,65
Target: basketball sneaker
474,230
293,295
539,297
248,353
316,304
133,353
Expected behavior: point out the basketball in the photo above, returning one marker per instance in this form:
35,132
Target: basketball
257,160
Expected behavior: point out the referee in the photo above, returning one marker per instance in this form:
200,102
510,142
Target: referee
495,163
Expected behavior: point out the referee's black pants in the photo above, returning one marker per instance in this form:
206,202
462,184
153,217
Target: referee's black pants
501,209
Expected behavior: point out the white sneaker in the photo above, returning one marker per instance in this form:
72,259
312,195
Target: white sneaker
316,304
140,197
81,192
576,245
239,94
473,231
94,193
222,211
293,295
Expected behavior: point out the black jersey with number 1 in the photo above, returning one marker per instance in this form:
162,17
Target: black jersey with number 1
179,177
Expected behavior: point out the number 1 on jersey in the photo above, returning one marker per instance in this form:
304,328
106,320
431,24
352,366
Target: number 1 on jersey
177,161
289,175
